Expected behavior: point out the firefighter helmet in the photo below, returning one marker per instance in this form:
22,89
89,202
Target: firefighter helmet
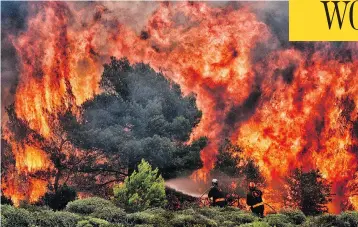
214,182
252,185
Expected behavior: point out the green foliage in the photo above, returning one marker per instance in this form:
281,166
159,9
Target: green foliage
183,220
84,223
243,218
146,218
309,192
110,214
296,217
18,217
105,214
348,219
278,220
50,218
88,205
140,114
256,224
325,220
94,222
142,190
59,199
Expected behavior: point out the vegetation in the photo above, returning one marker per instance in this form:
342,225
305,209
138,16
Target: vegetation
59,199
308,191
86,213
139,114
143,189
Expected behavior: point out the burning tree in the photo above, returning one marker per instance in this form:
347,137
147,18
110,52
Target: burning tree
141,114
308,191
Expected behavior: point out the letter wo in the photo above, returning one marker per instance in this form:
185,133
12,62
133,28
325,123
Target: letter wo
336,9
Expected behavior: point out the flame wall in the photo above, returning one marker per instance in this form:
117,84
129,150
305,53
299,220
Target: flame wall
286,106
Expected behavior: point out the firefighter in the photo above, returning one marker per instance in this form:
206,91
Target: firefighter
254,200
216,195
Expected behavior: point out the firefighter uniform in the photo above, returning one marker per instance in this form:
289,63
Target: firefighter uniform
217,196
254,200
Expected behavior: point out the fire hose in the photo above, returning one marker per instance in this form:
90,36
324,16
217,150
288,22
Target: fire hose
270,207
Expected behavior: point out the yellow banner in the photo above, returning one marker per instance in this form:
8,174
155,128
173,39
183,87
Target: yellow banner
315,20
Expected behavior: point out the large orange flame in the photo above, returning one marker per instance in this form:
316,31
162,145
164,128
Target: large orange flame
304,120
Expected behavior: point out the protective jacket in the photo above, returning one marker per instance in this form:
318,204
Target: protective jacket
254,200
218,196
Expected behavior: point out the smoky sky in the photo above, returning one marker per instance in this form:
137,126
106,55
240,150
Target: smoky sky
13,21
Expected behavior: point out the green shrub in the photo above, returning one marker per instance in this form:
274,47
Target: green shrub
348,219
98,222
143,189
144,225
84,223
296,217
18,217
111,214
147,218
210,212
228,224
45,218
256,224
189,211
88,205
184,220
93,222
160,213
31,207
243,218
49,218
278,220
326,220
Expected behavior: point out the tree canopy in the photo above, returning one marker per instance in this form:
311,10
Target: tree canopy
308,191
140,114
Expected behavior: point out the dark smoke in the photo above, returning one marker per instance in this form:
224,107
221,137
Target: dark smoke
13,21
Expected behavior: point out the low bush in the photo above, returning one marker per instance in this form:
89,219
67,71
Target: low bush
186,220
348,219
243,218
88,205
278,220
325,220
189,211
50,218
111,214
256,224
146,218
18,217
84,223
32,207
144,225
94,222
296,217
210,212
228,224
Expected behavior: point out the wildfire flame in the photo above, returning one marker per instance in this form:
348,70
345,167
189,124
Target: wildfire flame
292,107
